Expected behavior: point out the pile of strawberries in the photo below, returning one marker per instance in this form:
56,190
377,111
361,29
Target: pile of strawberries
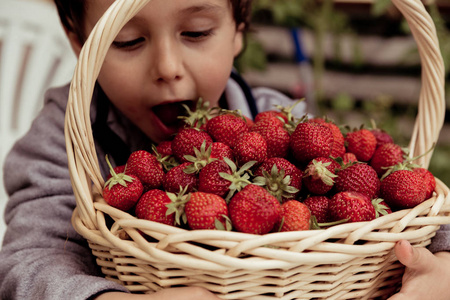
276,173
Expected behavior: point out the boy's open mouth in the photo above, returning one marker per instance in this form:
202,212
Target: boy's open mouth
168,113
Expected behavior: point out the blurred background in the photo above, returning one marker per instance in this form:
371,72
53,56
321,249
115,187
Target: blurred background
353,61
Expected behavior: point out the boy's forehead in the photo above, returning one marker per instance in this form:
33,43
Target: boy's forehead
96,8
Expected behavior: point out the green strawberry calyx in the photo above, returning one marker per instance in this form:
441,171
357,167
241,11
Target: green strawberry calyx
380,208
276,183
120,178
202,158
177,204
318,170
238,178
167,161
219,225
201,115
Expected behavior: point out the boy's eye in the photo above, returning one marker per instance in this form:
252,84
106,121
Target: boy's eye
195,35
128,44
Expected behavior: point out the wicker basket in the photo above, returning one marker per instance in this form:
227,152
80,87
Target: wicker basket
348,261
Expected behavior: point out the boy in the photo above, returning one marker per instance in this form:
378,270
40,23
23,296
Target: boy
171,53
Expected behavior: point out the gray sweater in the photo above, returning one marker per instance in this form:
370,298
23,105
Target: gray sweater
42,256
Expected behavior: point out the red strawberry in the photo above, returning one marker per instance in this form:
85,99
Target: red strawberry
294,216
386,155
254,210
318,205
349,157
164,148
362,143
226,128
220,151
250,146
272,114
204,210
280,177
153,206
359,177
179,178
122,191
319,175
147,168
428,180
381,136
403,189
210,180
338,148
187,140
276,136
354,206
310,140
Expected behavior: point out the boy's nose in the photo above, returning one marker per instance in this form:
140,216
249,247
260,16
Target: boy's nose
168,64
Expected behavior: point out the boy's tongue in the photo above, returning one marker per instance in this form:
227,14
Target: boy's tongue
168,113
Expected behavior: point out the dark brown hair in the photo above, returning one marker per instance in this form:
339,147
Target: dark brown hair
71,13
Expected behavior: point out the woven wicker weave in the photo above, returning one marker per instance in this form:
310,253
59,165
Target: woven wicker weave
349,261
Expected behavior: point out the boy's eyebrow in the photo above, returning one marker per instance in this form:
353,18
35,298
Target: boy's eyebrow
202,8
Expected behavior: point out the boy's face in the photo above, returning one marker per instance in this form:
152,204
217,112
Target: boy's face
171,52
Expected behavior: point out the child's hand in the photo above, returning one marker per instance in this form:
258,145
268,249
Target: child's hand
183,293
426,275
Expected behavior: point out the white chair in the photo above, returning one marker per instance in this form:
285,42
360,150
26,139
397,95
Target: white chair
34,55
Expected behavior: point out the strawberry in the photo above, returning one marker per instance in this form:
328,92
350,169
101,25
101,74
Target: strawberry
147,168
280,177
254,210
403,189
381,136
122,191
353,206
319,175
210,180
310,140
164,148
318,206
386,155
204,210
358,177
179,178
272,114
338,148
250,146
187,140
153,206
294,216
428,180
362,143
220,151
226,128
349,157
276,136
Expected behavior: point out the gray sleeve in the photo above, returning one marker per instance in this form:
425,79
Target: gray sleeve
441,242
42,256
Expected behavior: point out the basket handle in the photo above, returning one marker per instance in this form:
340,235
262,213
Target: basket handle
431,106
82,159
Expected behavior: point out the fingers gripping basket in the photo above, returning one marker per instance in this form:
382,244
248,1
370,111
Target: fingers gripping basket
347,261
